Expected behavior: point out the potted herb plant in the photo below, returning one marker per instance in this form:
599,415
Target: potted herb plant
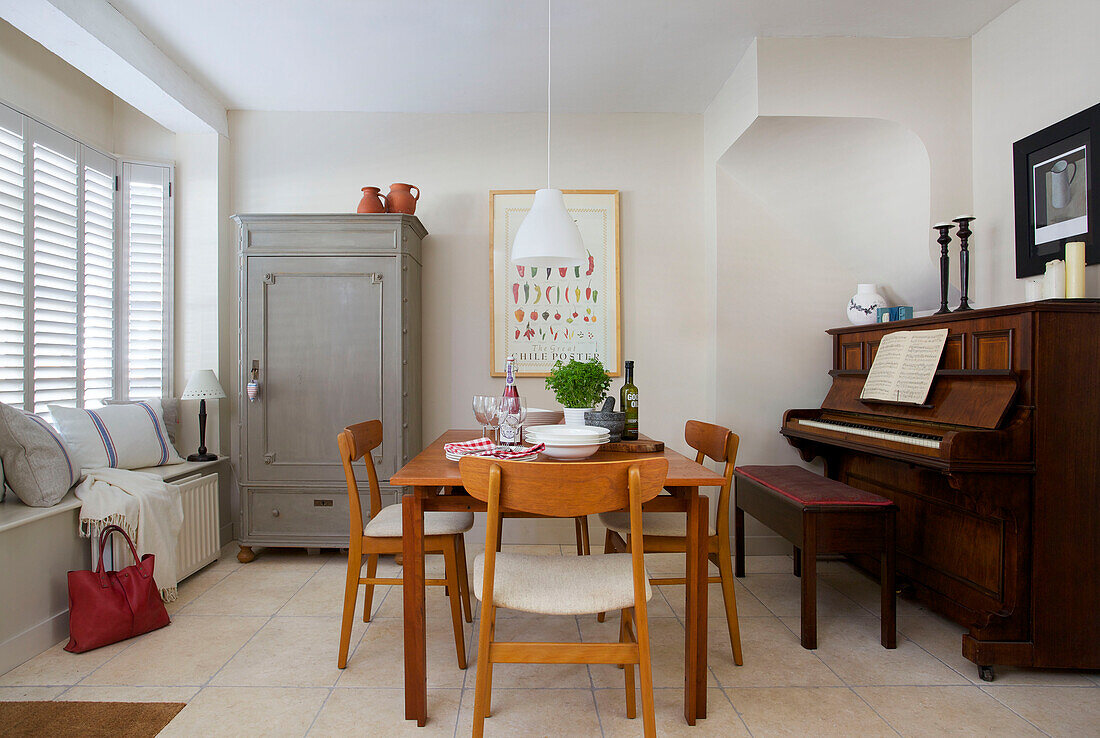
578,386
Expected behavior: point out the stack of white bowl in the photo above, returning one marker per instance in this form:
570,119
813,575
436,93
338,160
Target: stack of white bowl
568,441
538,416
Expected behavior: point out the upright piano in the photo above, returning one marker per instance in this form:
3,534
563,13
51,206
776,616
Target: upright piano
996,476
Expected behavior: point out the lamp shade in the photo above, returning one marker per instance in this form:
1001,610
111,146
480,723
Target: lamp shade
203,385
548,236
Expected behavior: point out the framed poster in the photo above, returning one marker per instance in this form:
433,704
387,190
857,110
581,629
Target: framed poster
539,314
1056,188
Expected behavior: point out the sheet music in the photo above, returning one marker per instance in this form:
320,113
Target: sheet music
904,366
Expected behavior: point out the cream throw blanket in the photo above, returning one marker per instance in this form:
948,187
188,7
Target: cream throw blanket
145,506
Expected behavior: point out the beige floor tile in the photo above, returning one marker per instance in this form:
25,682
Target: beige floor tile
323,594
936,711
251,590
862,589
197,584
747,604
807,711
768,565
668,708
247,711
666,645
286,558
58,666
81,693
782,595
289,652
29,694
189,651
850,647
772,654
381,712
943,638
1059,711
535,712
437,605
378,660
550,628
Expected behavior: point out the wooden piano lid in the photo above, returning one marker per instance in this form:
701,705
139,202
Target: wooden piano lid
973,398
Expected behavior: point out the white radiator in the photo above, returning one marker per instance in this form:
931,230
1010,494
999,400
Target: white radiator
198,541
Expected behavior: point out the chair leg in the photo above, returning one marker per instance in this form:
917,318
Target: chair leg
463,576
581,525
645,673
450,559
484,670
351,591
725,570
608,547
628,669
368,600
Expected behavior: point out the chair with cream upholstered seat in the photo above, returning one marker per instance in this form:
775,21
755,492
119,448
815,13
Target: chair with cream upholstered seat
667,532
382,535
564,585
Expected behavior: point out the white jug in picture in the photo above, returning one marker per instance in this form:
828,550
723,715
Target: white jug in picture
1061,177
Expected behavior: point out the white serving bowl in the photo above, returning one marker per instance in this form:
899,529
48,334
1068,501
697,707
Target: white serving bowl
538,416
568,432
550,440
571,452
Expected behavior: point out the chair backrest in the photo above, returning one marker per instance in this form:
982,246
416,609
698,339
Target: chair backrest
564,490
356,442
718,444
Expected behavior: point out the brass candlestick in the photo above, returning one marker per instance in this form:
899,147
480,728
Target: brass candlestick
943,240
964,260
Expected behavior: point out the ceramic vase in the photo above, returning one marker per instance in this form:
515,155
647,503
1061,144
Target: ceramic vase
401,199
575,415
372,201
864,305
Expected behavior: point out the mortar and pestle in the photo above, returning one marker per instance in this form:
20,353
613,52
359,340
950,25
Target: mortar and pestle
606,417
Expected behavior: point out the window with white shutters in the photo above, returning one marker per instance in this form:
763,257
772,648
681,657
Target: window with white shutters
84,271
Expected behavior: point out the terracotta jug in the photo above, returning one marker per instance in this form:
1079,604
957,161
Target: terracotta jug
372,201
401,199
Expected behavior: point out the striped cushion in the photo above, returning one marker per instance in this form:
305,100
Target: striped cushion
118,436
38,465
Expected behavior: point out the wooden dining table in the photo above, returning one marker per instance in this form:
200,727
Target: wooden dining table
437,486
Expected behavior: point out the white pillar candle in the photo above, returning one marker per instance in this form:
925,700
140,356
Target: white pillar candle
1075,269
1033,290
1054,280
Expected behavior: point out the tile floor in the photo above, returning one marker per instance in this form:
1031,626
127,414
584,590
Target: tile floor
252,650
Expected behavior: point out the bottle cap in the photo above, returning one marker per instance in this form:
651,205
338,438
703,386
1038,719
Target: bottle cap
630,365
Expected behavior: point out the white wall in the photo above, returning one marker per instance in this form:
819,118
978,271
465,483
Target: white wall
1034,65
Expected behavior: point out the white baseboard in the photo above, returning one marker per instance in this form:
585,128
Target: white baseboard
33,641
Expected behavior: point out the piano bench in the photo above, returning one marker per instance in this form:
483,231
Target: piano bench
819,516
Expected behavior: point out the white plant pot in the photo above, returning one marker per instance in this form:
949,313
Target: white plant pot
864,305
575,415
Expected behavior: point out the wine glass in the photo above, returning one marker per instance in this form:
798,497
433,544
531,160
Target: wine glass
513,413
493,408
480,404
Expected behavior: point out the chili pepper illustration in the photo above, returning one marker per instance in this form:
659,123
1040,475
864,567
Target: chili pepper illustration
591,265
534,316
542,334
574,315
519,268
529,333
568,320
578,292
545,314
563,270
588,292
515,293
553,333
526,292
593,318
595,296
519,316
517,334
557,315
538,294
577,272
548,270
558,296
567,294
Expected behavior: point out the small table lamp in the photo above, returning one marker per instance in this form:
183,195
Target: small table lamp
202,385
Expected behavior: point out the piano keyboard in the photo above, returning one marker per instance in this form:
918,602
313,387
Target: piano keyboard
887,434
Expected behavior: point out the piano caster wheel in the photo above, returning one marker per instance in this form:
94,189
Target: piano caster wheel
985,673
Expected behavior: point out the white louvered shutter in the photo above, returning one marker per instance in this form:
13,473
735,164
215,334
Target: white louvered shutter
12,199
147,237
97,329
54,183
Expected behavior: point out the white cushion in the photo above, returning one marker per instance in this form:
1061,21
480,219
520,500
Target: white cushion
119,436
39,466
653,523
387,523
560,585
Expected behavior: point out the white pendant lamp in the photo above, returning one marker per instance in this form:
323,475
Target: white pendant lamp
548,236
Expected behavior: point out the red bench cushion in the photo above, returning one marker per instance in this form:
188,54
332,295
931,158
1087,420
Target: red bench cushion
807,488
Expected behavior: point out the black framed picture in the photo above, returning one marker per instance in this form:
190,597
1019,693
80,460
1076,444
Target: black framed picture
1056,190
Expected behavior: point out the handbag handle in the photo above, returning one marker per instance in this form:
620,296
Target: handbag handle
104,535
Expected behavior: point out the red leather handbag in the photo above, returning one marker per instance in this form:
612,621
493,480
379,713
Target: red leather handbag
107,607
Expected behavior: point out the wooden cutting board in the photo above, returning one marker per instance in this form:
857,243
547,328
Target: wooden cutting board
643,445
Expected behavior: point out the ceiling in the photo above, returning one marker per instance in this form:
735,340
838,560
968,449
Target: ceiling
490,55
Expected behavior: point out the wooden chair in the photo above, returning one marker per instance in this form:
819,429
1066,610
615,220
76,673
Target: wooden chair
382,535
564,585
667,532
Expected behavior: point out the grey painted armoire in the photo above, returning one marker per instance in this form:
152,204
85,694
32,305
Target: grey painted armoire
330,328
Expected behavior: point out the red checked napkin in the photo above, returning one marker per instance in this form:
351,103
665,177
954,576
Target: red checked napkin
485,447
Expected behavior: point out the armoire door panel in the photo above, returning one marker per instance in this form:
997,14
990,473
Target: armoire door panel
318,327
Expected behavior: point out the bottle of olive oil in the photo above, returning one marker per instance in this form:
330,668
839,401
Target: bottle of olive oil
628,401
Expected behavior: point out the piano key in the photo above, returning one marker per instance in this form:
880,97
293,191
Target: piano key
912,438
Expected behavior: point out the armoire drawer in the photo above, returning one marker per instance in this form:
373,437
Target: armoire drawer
307,513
